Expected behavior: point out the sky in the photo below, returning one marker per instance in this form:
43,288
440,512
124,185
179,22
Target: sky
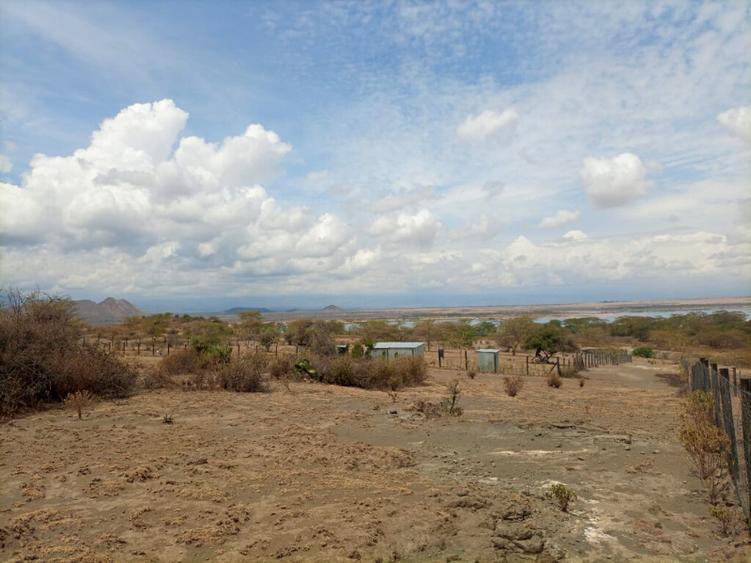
197,155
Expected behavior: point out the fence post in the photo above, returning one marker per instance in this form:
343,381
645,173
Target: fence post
466,361
735,382
727,421
714,380
526,358
746,424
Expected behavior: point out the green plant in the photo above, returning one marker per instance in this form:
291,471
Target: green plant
563,495
512,384
643,352
79,400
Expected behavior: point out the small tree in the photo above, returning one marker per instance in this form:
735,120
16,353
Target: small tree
513,332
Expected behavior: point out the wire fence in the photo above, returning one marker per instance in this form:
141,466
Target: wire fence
731,395
525,364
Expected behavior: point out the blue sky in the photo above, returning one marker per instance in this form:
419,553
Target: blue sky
210,153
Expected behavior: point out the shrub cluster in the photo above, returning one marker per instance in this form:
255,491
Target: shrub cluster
42,359
643,352
370,374
243,374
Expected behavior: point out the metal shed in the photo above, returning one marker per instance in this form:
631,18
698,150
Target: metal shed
488,359
393,350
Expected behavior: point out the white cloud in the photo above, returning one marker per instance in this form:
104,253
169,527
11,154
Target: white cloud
738,120
611,182
574,235
419,228
168,212
480,127
559,218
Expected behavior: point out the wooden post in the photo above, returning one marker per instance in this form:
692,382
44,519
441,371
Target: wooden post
745,385
714,379
526,361
466,361
138,350
153,346
735,382
168,347
727,422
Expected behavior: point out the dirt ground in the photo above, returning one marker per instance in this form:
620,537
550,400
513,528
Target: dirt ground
324,473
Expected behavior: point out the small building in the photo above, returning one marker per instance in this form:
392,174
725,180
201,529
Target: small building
488,359
393,350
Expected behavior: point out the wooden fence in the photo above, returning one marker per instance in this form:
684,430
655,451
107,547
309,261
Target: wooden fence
732,413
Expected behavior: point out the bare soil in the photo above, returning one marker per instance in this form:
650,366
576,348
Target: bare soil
324,473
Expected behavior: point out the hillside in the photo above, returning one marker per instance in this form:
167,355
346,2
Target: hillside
109,311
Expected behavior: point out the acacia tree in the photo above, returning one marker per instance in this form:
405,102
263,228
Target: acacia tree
514,331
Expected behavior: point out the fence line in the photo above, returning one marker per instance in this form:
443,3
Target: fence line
524,364
732,414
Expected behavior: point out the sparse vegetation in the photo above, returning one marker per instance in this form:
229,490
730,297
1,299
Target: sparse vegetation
167,419
243,374
562,495
451,403
370,374
706,444
42,358
727,517
79,400
512,385
471,374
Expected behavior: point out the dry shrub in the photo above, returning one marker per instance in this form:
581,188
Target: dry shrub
371,374
280,368
79,400
42,359
728,518
512,384
471,374
202,380
158,379
581,382
180,362
449,406
554,380
706,444
244,374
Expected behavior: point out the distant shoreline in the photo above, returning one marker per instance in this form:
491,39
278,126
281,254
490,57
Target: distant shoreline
486,311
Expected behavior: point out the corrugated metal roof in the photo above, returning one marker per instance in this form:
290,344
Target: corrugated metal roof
494,350
381,345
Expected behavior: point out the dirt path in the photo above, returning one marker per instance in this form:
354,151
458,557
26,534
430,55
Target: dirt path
327,473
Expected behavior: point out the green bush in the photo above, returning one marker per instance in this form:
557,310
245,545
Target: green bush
643,352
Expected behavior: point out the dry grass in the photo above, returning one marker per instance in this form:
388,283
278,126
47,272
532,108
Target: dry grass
554,380
512,384
79,400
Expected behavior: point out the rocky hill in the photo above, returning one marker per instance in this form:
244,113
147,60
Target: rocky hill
110,311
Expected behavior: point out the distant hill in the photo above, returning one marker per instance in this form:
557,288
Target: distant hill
108,312
332,308
238,310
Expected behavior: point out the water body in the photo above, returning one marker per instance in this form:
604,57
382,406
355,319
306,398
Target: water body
657,313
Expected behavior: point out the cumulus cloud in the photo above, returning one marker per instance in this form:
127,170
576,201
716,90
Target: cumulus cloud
574,235
419,228
738,121
611,182
483,125
559,218
140,194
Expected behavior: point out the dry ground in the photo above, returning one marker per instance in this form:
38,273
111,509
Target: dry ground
325,473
